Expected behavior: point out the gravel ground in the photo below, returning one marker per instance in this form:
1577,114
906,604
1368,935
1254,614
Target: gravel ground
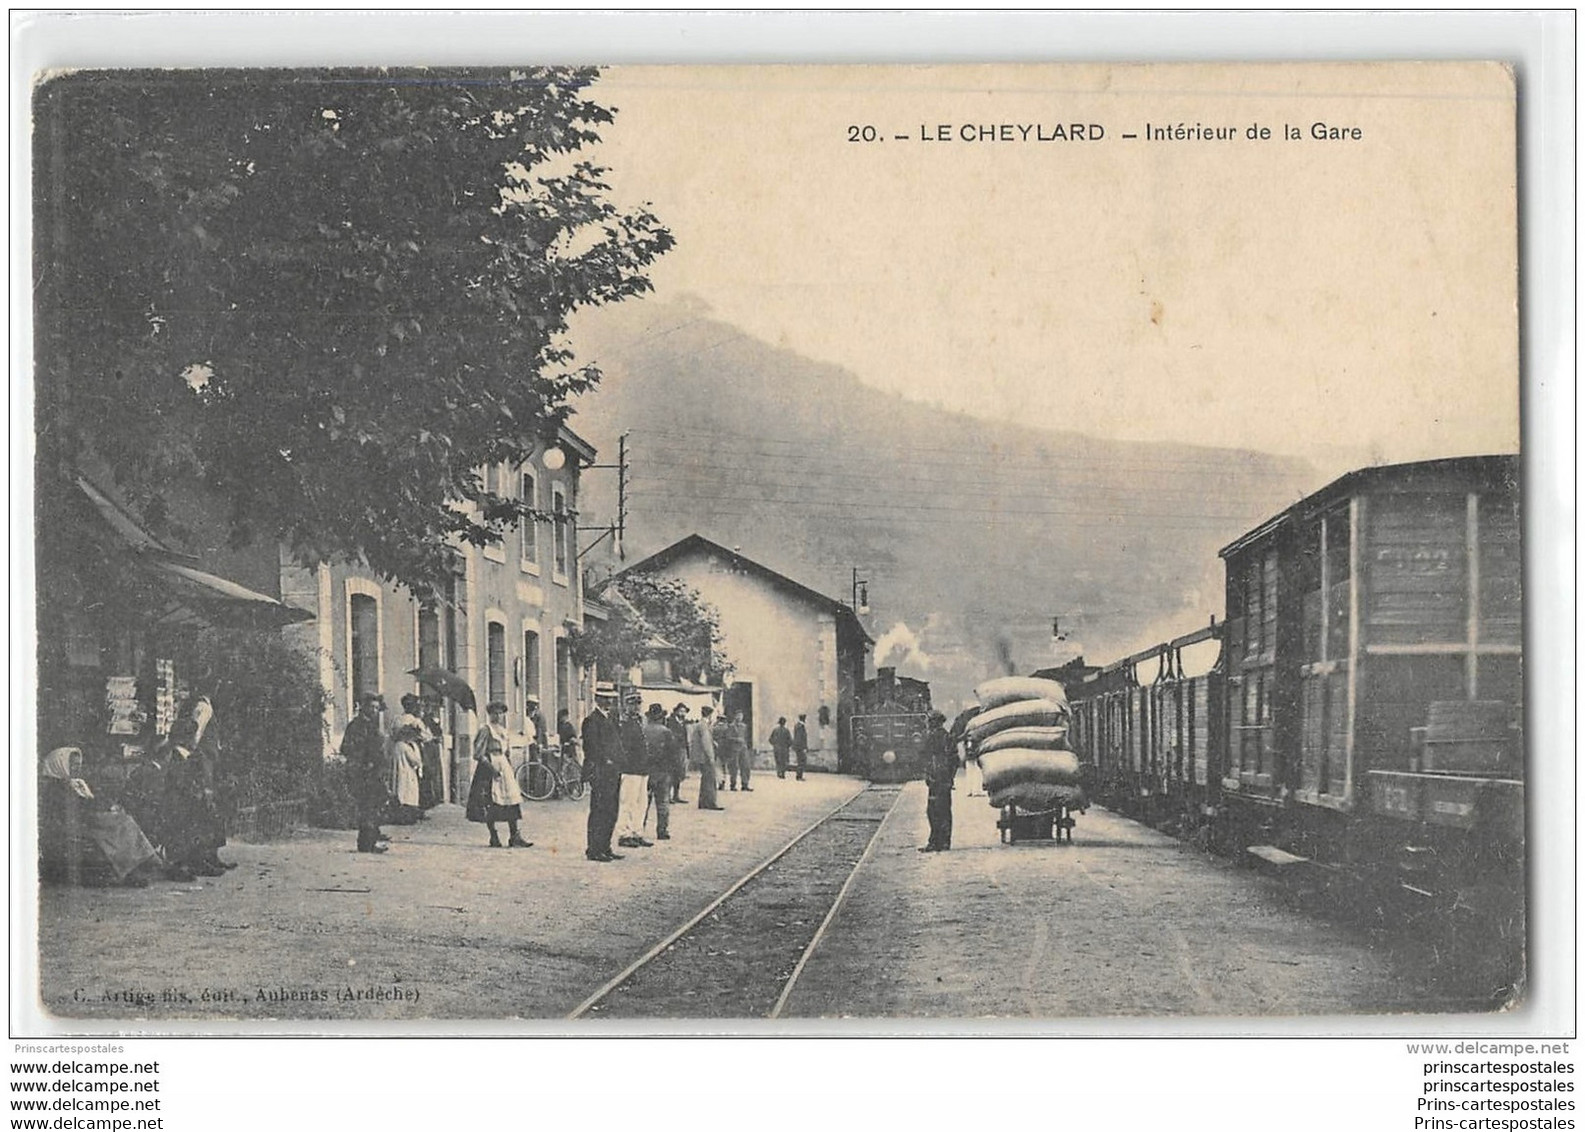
1124,922
441,927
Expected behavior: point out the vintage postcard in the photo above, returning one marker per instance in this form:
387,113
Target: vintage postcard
812,545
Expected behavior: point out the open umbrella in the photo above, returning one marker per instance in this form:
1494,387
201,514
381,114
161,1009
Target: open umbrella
447,683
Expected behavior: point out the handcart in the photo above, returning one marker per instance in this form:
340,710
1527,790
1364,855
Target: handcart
1053,820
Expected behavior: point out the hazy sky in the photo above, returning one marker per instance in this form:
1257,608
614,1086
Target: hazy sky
1342,300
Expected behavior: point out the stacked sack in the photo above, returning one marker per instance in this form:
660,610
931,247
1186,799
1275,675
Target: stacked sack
1021,734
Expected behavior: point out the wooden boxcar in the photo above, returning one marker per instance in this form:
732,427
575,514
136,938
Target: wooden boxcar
1364,716
1356,612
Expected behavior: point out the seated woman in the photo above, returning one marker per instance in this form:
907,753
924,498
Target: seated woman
82,840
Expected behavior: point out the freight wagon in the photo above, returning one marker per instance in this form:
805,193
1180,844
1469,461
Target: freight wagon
1362,723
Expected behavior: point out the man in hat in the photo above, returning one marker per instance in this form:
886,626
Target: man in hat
941,767
635,774
781,745
701,751
661,747
602,770
800,743
538,729
721,738
678,722
739,754
363,747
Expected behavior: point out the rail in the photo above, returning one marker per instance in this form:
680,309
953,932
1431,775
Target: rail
692,925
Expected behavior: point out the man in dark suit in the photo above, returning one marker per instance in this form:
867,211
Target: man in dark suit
801,743
661,747
678,722
941,767
363,746
780,745
602,770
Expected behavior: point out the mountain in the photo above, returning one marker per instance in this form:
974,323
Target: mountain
972,535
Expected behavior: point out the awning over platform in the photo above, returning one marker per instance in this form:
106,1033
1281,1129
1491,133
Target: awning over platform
197,598
188,595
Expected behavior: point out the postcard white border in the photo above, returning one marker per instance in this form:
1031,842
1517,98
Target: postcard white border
1540,45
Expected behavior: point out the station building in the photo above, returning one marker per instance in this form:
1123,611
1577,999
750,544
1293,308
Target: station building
793,649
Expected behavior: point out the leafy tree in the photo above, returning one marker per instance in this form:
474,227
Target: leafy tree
610,647
648,605
329,296
269,710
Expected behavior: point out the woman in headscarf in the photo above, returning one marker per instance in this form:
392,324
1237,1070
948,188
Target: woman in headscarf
494,796
194,829
81,840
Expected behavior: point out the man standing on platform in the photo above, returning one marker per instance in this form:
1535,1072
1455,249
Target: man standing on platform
941,767
721,741
602,770
801,743
738,752
635,774
661,747
701,752
678,722
780,744
363,747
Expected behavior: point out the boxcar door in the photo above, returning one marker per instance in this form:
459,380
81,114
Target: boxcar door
1325,575
1252,677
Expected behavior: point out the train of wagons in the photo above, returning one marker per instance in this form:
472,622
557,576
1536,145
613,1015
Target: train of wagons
1360,728
1362,725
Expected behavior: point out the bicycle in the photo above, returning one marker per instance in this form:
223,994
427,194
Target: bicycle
546,774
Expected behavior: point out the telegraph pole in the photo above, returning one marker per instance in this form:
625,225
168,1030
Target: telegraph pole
614,531
621,495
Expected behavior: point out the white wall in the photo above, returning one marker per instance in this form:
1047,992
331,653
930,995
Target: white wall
781,642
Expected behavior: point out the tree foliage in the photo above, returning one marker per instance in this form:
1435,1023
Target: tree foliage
647,606
269,709
332,297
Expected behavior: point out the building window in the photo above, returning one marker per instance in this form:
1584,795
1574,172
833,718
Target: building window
494,551
563,532
529,526
563,674
429,650
363,644
495,662
531,673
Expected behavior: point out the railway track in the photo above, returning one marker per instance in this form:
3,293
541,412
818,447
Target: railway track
743,953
